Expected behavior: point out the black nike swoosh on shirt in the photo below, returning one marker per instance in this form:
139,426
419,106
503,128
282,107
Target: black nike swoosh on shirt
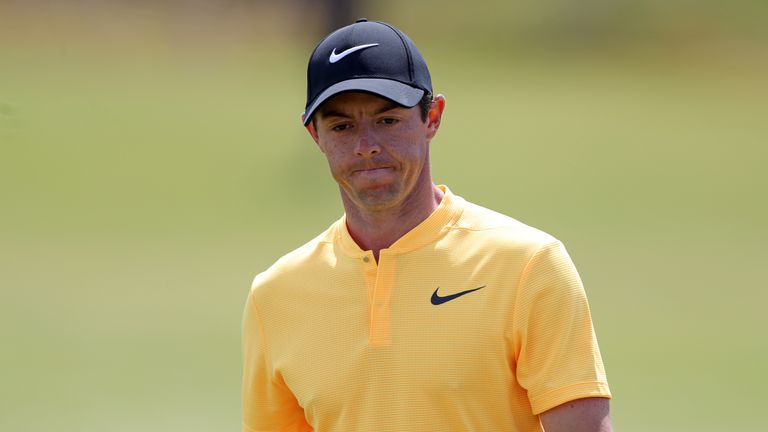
437,300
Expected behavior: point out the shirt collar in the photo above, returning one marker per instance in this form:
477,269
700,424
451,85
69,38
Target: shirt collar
430,229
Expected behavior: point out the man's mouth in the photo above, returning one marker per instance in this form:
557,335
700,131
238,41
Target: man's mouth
373,169
371,172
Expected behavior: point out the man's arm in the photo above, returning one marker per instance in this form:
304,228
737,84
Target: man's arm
580,415
268,404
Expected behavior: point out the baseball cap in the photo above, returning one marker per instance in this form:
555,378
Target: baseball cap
368,56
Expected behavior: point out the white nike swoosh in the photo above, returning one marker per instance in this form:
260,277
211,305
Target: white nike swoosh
336,57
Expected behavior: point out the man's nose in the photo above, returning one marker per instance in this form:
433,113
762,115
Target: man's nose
367,144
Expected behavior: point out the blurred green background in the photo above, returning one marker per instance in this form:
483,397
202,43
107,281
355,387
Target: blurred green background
152,162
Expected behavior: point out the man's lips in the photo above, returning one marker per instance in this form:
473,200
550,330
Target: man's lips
372,169
371,172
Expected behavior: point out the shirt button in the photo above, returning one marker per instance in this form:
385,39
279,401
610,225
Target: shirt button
366,259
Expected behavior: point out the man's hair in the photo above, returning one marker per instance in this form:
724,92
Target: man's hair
424,105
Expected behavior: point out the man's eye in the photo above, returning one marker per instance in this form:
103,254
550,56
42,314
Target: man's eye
389,120
340,127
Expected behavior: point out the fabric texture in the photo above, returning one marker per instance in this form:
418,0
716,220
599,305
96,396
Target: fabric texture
472,321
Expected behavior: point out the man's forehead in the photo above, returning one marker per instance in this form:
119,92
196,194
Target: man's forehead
349,101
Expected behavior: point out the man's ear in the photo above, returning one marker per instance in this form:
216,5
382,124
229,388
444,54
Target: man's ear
435,115
312,131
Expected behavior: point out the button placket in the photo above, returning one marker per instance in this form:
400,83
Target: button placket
380,306
369,276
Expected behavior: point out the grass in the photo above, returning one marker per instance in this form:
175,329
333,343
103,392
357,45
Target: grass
143,189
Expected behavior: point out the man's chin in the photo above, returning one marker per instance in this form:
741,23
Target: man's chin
377,197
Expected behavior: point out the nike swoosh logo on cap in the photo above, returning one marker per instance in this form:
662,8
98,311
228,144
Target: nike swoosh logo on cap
336,57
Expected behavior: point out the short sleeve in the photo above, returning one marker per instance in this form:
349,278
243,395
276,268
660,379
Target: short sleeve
557,356
268,404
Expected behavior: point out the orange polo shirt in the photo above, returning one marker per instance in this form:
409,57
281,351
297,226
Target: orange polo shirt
472,321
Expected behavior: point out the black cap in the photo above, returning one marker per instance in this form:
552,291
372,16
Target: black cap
373,57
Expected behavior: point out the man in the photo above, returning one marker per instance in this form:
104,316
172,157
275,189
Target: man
417,310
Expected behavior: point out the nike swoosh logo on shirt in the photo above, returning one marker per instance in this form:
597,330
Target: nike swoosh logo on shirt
336,57
437,300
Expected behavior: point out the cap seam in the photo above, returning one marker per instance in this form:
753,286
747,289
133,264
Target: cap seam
411,71
381,77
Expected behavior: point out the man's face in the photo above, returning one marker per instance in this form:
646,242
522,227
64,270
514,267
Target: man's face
378,151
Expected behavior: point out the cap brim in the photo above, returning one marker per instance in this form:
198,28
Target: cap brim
397,92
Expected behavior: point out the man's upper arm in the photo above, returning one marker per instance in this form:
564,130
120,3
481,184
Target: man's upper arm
580,415
557,356
268,404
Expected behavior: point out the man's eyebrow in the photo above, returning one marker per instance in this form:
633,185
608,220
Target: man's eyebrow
334,113
389,106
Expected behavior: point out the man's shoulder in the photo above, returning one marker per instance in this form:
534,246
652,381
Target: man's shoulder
299,263
501,228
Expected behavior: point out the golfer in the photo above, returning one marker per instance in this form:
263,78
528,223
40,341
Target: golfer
416,311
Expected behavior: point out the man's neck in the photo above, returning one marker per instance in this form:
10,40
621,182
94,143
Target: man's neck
375,231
